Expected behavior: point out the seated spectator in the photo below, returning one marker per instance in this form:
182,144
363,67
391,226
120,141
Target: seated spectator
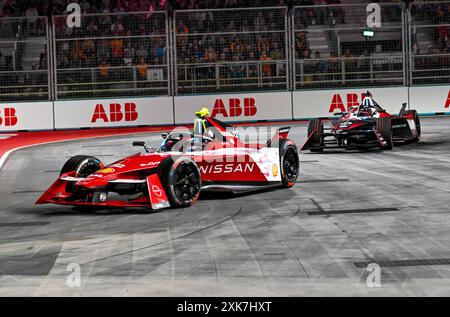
128,54
197,53
350,63
181,28
142,68
117,51
210,55
275,52
92,29
104,50
321,64
103,70
237,69
266,67
161,51
431,62
333,67
89,53
141,53
363,64
32,20
3,65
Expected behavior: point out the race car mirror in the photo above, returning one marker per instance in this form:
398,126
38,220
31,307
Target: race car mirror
142,143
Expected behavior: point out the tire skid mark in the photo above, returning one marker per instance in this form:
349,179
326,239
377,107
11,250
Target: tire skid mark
167,241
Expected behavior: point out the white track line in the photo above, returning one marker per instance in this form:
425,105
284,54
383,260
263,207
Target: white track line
6,136
5,156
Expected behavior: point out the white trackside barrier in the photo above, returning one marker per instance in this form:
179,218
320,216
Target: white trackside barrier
26,116
430,100
323,103
236,107
242,107
113,112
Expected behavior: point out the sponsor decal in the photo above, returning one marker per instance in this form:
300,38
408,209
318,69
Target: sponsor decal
94,176
107,170
156,190
116,113
236,108
118,165
103,197
345,124
8,117
337,103
227,168
275,170
149,164
447,103
400,125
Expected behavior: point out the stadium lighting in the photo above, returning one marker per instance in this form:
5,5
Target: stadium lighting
368,33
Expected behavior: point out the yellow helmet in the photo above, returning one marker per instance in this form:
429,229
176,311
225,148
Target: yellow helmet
202,112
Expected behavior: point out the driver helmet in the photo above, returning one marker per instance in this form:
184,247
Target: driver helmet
200,123
365,111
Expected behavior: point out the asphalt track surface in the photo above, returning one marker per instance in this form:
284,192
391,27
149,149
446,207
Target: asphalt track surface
348,210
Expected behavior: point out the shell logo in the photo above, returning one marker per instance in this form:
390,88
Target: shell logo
275,170
107,170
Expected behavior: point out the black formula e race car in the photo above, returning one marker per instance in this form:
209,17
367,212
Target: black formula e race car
364,127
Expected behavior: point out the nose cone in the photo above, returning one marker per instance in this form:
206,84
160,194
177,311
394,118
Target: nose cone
99,178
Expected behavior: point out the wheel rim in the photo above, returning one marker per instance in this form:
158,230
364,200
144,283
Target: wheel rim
186,182
88,169
290,165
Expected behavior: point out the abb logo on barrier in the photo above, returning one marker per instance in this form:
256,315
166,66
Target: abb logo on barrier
116,113
447,103
338,104
8,117
235,108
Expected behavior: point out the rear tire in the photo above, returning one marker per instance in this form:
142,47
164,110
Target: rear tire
82,165
316,141
385,129
181,180
289,163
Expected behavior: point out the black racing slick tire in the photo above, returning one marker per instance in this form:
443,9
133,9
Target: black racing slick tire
289,163
82,165
315,130
181,180
385,128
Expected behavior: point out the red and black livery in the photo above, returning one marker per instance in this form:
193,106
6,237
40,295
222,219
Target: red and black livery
364,127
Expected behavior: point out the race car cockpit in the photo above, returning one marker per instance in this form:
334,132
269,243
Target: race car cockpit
368,108
201,135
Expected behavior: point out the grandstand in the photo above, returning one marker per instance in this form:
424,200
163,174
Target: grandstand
167,48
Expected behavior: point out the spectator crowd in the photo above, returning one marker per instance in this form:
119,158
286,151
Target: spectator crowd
226,44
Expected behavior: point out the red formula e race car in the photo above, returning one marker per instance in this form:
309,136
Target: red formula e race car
364,127
212,158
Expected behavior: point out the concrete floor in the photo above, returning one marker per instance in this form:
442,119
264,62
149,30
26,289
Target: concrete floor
349,210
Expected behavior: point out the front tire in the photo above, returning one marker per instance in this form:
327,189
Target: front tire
82,165
181,180
289,163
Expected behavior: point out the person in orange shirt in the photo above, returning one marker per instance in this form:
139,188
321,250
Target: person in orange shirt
266,67
142,68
